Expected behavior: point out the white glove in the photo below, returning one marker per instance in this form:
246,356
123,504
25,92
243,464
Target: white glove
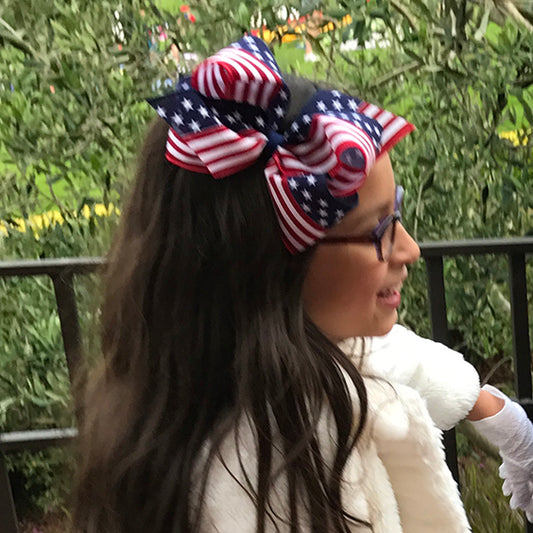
512,432
518,484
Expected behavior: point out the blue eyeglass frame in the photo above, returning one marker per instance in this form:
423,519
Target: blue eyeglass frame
378,232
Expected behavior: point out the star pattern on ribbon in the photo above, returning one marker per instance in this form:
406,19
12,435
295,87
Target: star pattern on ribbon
228,112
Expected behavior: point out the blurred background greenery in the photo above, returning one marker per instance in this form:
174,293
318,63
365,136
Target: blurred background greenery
73,78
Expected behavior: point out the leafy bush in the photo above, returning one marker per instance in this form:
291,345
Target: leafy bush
34,379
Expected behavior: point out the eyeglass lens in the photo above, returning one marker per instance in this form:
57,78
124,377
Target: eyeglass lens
387,240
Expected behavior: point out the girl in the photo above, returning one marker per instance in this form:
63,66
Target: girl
263,228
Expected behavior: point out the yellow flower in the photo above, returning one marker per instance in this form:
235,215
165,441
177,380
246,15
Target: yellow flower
56,216
86,211
514,138
21,224
37,222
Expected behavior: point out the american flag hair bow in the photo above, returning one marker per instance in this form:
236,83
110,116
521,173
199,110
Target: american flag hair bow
229,112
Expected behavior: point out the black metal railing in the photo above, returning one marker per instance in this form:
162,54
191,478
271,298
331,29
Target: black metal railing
62,272
516,251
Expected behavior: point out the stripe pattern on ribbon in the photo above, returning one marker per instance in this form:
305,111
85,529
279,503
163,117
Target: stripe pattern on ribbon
246,71
224,115
221,116
328,151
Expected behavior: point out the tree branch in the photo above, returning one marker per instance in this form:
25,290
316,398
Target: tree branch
513,12
394,74
13,38
403,11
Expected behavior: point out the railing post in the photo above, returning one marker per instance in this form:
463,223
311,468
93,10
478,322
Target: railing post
8,515
68,318
437,299
439,326
520,323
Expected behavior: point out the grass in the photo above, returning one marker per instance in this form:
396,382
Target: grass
172,6
290,58
487,508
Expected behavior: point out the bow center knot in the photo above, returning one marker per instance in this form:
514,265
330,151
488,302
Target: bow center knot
274,139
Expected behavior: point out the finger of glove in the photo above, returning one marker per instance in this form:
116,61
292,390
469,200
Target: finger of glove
508,468
512,502
507,488
529,511
519,482
519,491
502,471
514,473
519,500
513,464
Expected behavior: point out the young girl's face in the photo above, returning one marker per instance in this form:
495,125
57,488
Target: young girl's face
348,292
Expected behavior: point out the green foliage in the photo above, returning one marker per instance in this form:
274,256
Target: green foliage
41,481
71,101
34,387
34,380
487,508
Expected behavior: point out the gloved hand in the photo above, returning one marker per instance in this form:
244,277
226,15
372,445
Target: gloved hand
512,432
518,483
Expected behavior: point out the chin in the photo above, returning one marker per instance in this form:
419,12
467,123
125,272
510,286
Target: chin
373,328
369,332
383,327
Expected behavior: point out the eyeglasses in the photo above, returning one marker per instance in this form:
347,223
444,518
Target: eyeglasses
382,235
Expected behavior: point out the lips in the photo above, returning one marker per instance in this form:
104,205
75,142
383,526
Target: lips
390,296
387,292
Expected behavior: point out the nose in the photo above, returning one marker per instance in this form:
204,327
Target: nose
405,250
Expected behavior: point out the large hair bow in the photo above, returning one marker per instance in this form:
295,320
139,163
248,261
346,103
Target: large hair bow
229,112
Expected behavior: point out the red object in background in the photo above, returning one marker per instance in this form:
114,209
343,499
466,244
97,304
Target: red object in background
186,10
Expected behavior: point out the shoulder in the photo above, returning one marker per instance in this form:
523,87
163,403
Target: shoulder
447,383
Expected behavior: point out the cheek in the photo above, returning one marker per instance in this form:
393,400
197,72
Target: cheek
355,294
348,285
341,288
345,271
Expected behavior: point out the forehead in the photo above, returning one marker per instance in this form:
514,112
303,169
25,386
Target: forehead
376,198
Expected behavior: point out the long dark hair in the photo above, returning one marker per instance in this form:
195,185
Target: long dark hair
203,324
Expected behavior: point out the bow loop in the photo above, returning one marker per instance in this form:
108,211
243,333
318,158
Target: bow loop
243,72
332,137
352,153
198,140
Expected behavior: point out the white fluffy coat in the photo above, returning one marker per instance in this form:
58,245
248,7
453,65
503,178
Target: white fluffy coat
396,478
